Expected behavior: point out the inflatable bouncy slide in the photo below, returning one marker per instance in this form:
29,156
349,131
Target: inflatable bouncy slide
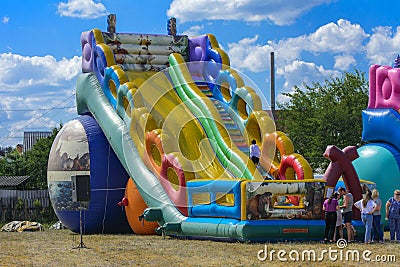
164,132
379,158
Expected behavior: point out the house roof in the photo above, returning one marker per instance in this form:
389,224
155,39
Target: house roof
6,181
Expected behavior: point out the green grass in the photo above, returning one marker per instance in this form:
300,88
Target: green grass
55,248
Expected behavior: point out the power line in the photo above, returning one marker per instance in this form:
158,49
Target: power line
38,109
56,107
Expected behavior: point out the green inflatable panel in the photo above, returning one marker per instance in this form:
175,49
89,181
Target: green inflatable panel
379,165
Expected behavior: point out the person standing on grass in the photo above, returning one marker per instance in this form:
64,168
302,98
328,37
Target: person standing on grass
367,207
330,207
339,219
255,152
347,212
393,214
377,231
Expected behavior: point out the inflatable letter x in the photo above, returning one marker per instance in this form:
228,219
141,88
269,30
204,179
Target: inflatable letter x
341,166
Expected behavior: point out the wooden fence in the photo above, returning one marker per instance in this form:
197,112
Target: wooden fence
16,205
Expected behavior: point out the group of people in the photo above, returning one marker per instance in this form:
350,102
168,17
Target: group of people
338,209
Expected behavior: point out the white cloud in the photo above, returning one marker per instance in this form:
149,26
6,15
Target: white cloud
84,9
291,67
194,30
246,54
5,20
343,62
299,72
33,123
280,12
36,93
340,37
18,71
383,45
34,112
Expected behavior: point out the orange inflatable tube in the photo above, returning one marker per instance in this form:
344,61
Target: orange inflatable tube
299,164
154,149
134,207
283,144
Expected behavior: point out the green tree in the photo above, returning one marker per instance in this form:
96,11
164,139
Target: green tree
5,150
34,162
7,166
322,114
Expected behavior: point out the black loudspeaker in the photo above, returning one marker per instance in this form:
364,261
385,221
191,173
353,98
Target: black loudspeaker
80,188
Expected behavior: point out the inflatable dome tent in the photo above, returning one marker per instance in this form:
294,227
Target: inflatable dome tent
80,148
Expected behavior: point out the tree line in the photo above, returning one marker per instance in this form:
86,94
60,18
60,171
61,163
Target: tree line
322,114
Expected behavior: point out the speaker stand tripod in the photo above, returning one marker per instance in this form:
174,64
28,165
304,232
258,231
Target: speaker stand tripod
81,244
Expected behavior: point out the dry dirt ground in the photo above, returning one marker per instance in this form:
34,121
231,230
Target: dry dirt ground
55,248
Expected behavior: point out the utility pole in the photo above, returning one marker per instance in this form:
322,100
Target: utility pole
273,83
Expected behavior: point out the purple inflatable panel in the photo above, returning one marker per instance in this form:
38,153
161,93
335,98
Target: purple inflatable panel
384,84
197,52
87,51
197,48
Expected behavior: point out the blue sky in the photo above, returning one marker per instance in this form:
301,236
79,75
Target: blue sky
40,51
